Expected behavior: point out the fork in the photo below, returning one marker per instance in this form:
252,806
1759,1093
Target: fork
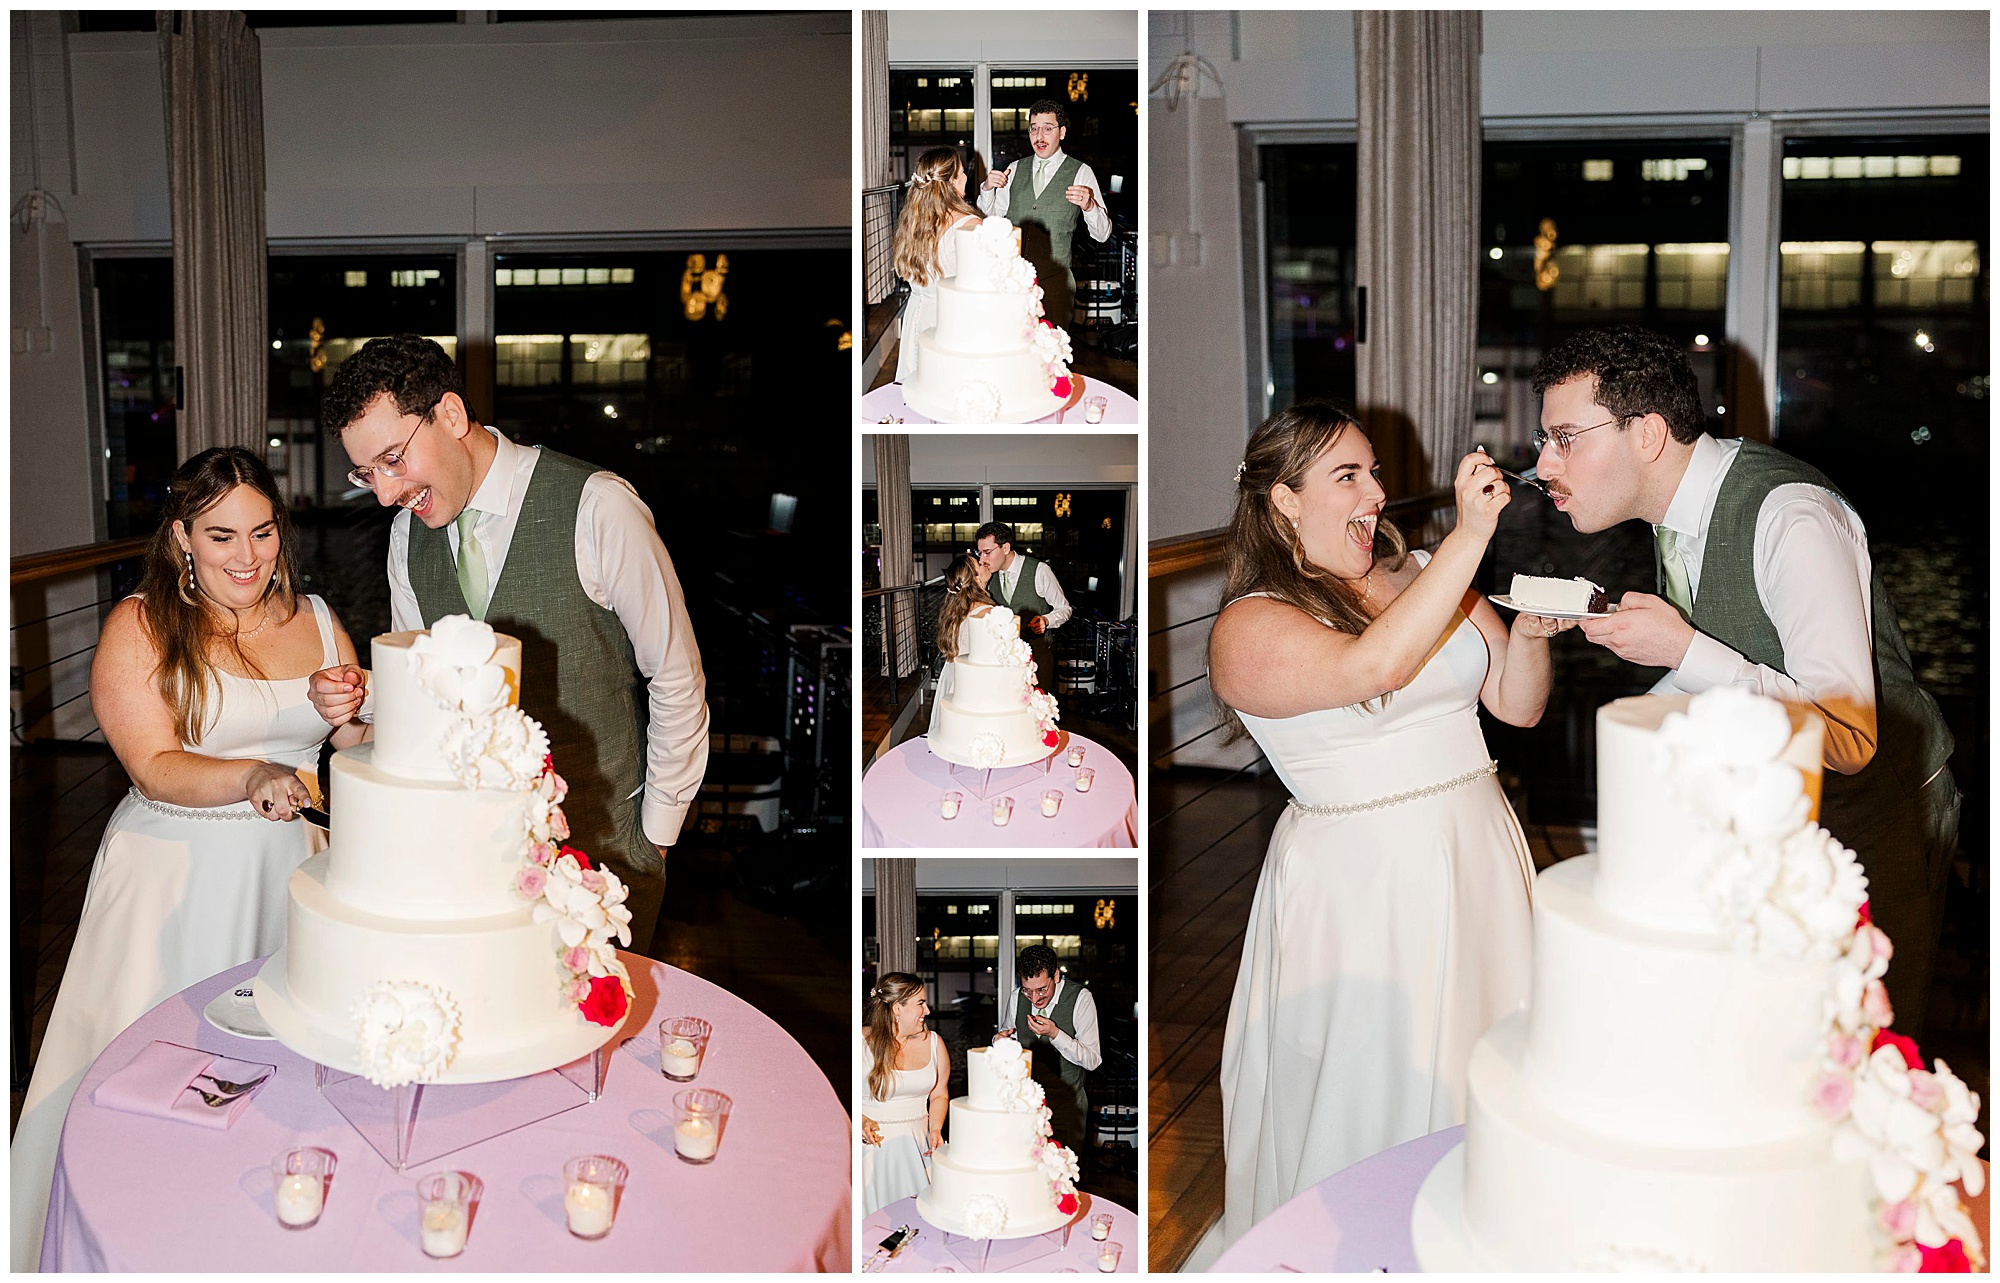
228,1088
214,1101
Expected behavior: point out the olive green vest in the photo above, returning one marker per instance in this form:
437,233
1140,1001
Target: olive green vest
1062,1079
1047,222
1027,599
578,676
1912,742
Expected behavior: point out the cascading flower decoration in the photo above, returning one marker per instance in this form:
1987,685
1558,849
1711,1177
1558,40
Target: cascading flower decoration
1051,346
1019,1093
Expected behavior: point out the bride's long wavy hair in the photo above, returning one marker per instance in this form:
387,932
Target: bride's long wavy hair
1265,555
932,205
961,594
878,1017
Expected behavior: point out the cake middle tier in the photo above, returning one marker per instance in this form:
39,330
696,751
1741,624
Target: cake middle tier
1013,374
422,849
991,1140
955,736
969,321
984,688
1665,1038
1023,1191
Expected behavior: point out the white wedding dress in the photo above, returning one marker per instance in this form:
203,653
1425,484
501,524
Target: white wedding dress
1382,942
920,311
176,894
900,1166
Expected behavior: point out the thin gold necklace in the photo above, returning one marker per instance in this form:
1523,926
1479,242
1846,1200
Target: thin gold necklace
242,636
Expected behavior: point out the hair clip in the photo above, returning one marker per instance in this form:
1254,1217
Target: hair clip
1242,467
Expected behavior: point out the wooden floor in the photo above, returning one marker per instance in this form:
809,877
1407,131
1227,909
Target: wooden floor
1209,834
798,972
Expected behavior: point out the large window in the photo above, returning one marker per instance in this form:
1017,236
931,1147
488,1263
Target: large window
1080,533
135,321
1309,229
929,108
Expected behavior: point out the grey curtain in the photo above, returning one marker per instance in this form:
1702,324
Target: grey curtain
896,914
892,507
212,79
874,97
1417,238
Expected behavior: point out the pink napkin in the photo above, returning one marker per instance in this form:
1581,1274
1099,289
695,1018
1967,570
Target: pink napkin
158,1082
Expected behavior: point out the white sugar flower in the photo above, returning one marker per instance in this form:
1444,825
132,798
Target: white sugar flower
985,1216
407,1032
502,750
985,750
976,401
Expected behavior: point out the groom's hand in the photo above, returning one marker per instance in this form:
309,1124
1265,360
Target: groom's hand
1646,630
1080,196
1042,1025
997,178
1038,624
337,692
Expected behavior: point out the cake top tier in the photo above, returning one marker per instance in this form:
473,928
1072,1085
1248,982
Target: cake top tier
994,638
425,682
997,1077
990,262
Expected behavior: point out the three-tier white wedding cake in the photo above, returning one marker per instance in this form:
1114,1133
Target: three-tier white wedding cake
999,1175
988,711
446,934
992,357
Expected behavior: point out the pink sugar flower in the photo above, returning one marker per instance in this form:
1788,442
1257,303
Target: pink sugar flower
592,880
1925,1092
1845,1050
1875,1004
1832,1093
530,882
577,959
541,852
579,989
1898,1220
1904,1260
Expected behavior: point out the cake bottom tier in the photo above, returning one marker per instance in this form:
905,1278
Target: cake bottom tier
1543,1194
1015,377
955,736
1024,1192
503,973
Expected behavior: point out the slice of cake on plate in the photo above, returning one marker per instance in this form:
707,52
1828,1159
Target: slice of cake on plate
1572,596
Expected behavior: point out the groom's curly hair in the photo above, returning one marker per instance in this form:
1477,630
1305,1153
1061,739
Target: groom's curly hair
1636,371
414,370
1049,107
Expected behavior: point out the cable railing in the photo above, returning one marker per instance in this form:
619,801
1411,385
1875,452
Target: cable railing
58,603
880,208
899,635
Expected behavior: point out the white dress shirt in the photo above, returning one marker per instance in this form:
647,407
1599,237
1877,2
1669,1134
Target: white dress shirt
1811,567
1097,219
1045,585
1085,1048
624,568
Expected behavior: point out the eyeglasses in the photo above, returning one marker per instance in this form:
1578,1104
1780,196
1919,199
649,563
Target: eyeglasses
391,465
1564,440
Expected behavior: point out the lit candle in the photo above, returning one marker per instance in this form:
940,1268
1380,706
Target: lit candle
1107,1257
443,1229
948,806
589,1209
696,1139
1050,801
1084,776
300,1197
1075,753
1003,810
1093,409
1100,1227
680,1058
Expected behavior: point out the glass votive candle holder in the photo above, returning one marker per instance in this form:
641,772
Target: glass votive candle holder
1107,1256
699,1117
1075,754
948,805
1003,810
590,1194
1100,1226
1085,777
683,1042
298,1178
444,1213
1093,408
1051,802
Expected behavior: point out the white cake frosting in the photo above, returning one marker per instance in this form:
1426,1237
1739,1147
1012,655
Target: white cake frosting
990,358
418,919
996,1176
1650,1108
988,712
1567,595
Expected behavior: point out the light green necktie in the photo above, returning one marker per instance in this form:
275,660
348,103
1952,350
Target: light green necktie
1674,570
471,564
1041,175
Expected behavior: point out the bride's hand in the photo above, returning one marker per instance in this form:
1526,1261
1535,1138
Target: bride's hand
1482,493
1541,625
871,1133
275,792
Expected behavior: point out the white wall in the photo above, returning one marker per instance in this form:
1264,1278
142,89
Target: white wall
1018,36
1035,873
1017,459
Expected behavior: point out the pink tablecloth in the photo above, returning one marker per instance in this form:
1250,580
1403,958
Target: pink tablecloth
900,794
136,1193
1007,1256
1355,1221
886,402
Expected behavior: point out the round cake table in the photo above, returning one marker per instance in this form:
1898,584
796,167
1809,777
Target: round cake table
886,402
1358,1219
1044,1255
901,791
142,1193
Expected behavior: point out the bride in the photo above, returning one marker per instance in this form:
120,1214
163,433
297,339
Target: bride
1390,926
909,1078
926,250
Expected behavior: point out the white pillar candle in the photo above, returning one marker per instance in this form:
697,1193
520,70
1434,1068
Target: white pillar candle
589,1208
948,807
1003,810
679,1058
1084,778
1100,1228
696,1138
1107,1258
1050,801
300,1197
1093,413
442,1229
1076,755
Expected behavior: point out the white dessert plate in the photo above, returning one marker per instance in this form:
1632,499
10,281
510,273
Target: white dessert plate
1502,599
234,1011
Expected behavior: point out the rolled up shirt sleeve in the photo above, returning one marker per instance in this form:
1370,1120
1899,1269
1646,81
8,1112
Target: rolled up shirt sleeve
1086,1049
1051,592
625,568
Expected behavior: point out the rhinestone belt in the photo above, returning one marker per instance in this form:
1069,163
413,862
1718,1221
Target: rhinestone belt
1397,799
193,813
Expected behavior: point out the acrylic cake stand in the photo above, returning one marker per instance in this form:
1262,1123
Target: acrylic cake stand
978,780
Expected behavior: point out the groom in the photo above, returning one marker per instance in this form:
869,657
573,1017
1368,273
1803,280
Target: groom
563,556
1027,586
1765,584
1050,198
1055,1021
